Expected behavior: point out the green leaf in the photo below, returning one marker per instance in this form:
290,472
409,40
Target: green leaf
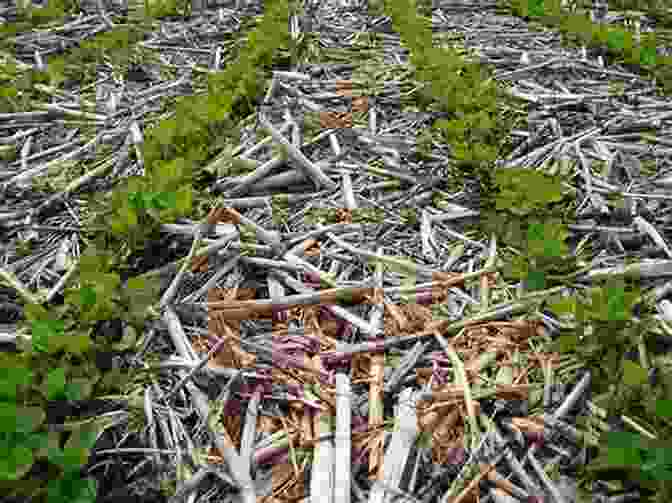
546,239
622,440
566,305
87,296
184,201
616,305
82,439
647,56
163,200
624,456
18,419
535,8
35,312
72,391
657,472
612,303
55,384
49,441
81,388
616,39
10,379
536,280
664,407
45,334
36,440
657,463
165,131
55,454
120,224
71,488
93,262
138,200
76,343
566,343
660,455
15,461
633,373
72,458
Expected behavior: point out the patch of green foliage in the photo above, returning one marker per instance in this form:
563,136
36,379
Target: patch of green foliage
18,91
603,343
55,10
526,210
115,46
166,8
55,364
579,29
463,89
23,441
605,332
134,211
57,345
200,127
529,216
637,453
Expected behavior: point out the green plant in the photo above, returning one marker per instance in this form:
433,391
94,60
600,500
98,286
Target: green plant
23,441
57,345
54,366
100,295
165,8
646,460
577,28
531,222
525,211
19,423
474,101
604,333
54,10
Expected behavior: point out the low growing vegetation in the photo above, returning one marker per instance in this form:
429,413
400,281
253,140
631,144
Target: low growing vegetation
526,210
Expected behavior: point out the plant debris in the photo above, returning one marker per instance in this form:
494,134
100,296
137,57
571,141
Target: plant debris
334,317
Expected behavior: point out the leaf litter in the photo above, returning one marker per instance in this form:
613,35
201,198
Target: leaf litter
321,346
